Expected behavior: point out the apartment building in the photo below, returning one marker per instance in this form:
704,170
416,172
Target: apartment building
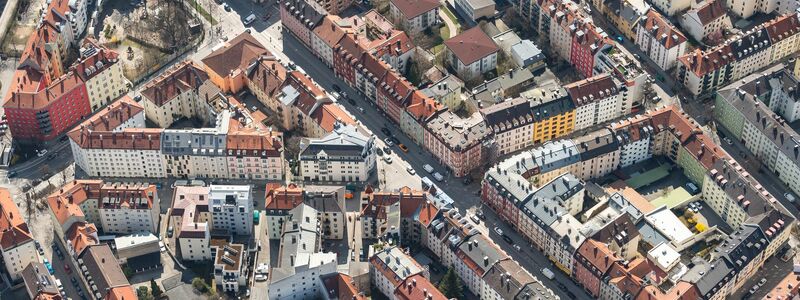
345,155
231,208
103,272
128,208
300,103
741,110
101,74
661,41
39,284
597,100
300,261
707,22
280,200
625,15
301,16
703,72
414,15
16,241
181,92
511,123
191,219
446,91
390,267
471,53
455,142
48,97
417,287
672,7
329,32
230,269
328,201
226,66
746,9
399,216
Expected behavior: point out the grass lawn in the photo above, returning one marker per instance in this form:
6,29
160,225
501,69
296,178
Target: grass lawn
673,198
648,177
202,11
451,16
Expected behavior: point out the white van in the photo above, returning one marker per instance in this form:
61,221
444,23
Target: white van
249,19
549,274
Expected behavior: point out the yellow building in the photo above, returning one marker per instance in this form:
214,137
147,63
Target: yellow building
624,14
102,74
553,120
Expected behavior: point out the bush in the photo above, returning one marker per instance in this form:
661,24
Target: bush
199,284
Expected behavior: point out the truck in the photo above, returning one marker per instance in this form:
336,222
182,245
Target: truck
549,274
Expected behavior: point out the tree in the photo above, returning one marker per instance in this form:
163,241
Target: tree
143,293
156,289
451,286
199,285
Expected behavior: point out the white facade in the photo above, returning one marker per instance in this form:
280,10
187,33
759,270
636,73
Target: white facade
635,151
107,162
78,16
196,249
18,257
671,7
106,85
598,111
345,155
321,48
663,50
477,68
413,24
231,208
128,220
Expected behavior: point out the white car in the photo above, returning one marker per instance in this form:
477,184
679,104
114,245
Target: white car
387,159
260,277
411,171
249,19
428,168
162,246
498,230
41,153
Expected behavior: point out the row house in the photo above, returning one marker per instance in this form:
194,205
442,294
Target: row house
672,7
420,110
624,15
300,17
705,71
587,41
660,40
401,216
741,110
16,241
636,138
455,142
417,287
101,73
128,208
327,35
597,100
599,153
707,23
181,92
746,9
511,123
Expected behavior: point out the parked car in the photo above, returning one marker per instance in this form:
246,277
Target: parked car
249,19
379,151
386,131
41,153
353,103
169,231
507,239
428,168
394,140
161,246
49,266
411,171
475,219
260,277
402,147
547,273
438,176
387,150
519,249
67,269
74,281
337,88
789,196
388,142
361,109
387,159
762,282
226,6
498,230
12,174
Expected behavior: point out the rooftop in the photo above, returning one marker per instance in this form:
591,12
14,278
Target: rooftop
413,8
458,133
13,228
471,45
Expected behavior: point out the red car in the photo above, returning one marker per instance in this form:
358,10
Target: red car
66,268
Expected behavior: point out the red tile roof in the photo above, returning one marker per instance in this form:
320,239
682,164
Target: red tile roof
417,287
340,286
13,229
283,197
329,114
588,90
108,119
121,293
712,10
598,255
182,77
702,63
237,54
782,27
471,45
81,235
329,31
269,76
413,8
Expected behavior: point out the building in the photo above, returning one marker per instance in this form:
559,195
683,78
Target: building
707,22
231,209
417,287
39,283
672,7
116,143
345,155
625,15
511,123
527,55
48,97
474,10
228,63
702,72
500,88
554,118
742,110
230,271
597,100
280,200
341,286
181,92
327,35
328,201
506,280
390,267
455,142
300,257
414,15
136,245
301,16
471,53
105,274
190,219
661,41
128,208
446,91
746,9
16,241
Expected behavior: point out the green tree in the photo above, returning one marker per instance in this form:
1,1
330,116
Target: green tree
199,285
143,293
156,289
451,286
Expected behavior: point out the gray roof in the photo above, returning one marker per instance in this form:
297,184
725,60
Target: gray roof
740,187
561,188
596,143
758,114
527,50
324,198
103,267
505,40
397,262
477,4
300,235
38,279
458,133
650,234
482,251
444,86
620,203
495,91
345,143
709,277
742,246
509,279
508,115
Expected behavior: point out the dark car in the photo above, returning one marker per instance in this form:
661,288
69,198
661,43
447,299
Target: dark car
63,138
336,88
379,151
351,101
387,150
507,239
395,140
467,180
562,287
570,295
386,131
